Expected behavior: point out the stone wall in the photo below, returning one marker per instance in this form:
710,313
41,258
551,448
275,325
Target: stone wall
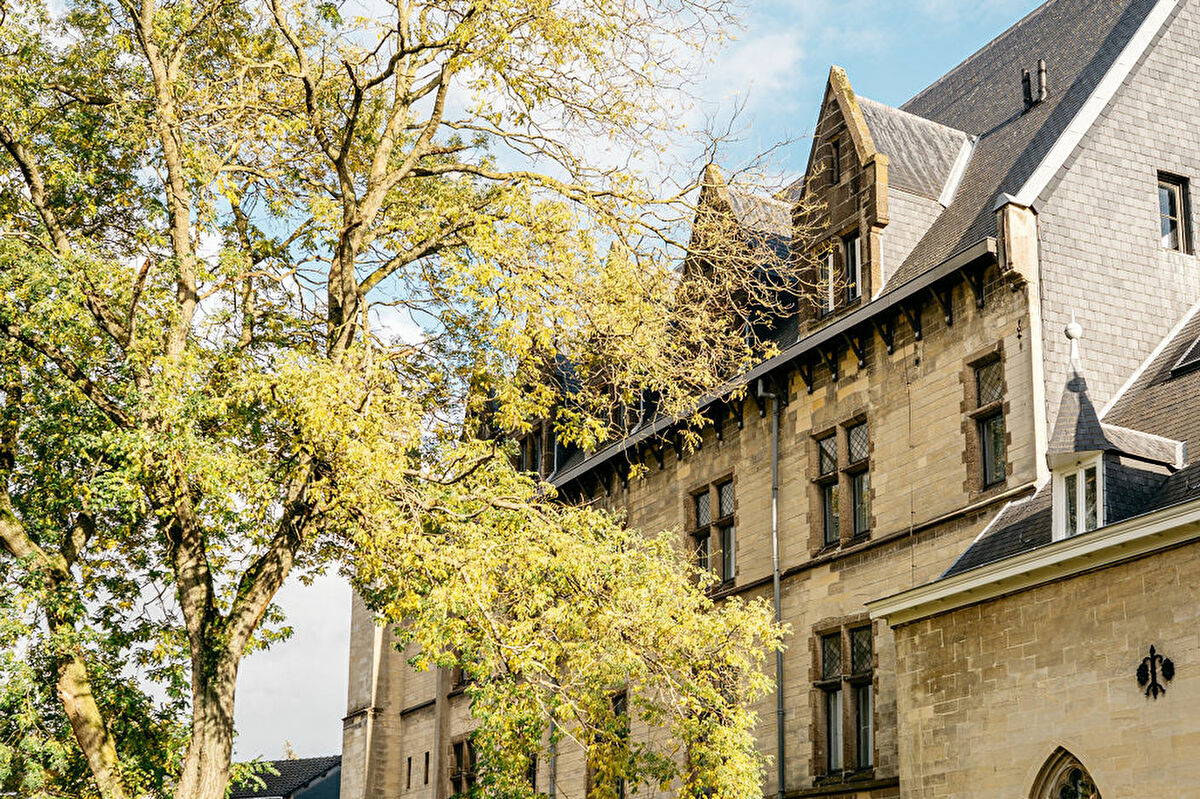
988,692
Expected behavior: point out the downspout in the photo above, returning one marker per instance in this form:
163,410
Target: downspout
777,407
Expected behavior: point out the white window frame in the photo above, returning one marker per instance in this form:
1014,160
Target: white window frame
853,271
830,281
1078,469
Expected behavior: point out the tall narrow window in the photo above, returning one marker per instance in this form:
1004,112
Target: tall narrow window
827,469
992,450
1079,497
831,675
847,694
408,775
828,287
835,172
702,509
852,258
861,486
989,422
462,766
862,676
426,781
830,513
725,528
1173,213
858,444
715,530
531,772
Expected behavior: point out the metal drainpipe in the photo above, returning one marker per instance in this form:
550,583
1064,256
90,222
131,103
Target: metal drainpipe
779,713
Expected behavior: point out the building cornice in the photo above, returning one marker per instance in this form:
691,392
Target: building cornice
888,302
1116,543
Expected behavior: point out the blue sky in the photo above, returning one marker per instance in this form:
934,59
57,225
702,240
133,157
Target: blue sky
890,50
777,66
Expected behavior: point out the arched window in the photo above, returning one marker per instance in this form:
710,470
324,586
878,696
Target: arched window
1064,777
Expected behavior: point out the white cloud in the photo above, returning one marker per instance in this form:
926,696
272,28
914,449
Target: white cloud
296,690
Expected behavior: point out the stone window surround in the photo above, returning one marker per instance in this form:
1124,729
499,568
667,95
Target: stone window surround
462,774
974,413
847,682
717,522
843,478
833,288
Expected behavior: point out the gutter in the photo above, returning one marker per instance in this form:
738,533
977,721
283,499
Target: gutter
1133,538
832,332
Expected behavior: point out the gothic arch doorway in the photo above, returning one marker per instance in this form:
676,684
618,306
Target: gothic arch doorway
1064,777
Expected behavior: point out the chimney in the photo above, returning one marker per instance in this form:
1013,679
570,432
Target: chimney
1026,89
1041,94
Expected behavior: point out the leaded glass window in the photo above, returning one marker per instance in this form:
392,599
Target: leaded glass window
831,656
860,650
989,383
859,442
703,510
725,498
827,450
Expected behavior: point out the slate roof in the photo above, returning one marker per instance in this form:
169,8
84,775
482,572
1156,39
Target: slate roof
1164,402
293,775
766,214
921,153
1080,40
1160,408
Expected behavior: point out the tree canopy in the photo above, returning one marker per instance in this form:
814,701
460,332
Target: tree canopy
279,282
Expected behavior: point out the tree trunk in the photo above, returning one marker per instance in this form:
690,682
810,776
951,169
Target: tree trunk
205,773
87,723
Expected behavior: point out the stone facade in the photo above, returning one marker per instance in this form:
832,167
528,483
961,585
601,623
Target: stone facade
990,691
983,699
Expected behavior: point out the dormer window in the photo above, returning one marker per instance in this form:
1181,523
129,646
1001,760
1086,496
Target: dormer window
1078,496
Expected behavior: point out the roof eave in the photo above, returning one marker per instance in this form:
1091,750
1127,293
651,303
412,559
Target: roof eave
1116,543
982,249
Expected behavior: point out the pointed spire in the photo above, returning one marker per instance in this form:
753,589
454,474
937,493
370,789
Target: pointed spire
1077,428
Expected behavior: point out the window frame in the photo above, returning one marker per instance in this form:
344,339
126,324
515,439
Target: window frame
1075,473
987,460
716,540
827,286
463,780
852,269
984,412
842,514
845,752
1177,188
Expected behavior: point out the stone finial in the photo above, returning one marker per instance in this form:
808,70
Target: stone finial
1074,332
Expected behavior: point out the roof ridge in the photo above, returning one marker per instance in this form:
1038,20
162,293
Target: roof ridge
924,119
973,56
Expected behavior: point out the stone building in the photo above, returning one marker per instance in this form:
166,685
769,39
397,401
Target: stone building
911,415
